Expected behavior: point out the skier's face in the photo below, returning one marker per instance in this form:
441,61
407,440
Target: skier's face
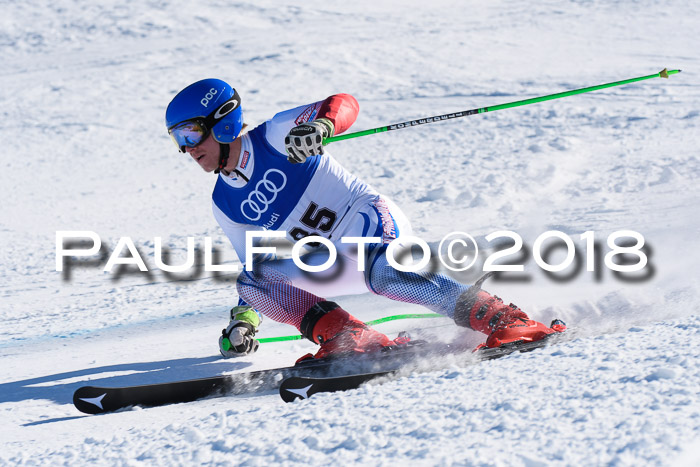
206,153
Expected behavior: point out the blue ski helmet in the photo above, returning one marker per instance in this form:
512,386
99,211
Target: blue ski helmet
209,105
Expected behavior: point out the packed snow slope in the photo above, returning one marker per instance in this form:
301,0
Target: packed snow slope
83,90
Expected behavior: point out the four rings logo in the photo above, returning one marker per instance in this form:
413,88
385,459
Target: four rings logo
264,194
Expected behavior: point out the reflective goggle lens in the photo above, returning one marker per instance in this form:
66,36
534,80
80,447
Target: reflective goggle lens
188,134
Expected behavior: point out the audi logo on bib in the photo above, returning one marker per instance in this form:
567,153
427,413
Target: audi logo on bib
264,194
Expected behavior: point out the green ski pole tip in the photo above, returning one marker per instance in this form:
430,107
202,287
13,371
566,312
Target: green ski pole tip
665,72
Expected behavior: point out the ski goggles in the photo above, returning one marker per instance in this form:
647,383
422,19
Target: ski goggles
191,133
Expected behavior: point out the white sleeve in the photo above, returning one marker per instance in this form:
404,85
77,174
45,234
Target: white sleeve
278,126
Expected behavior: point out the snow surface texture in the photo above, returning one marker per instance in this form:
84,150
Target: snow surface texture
83,88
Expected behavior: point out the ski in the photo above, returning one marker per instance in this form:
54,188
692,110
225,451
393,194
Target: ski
303,387
340,373
96,400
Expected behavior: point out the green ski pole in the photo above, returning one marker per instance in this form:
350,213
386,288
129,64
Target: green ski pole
421,121
371,323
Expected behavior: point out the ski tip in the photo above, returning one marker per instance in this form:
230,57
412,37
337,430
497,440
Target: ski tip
294,388
88,399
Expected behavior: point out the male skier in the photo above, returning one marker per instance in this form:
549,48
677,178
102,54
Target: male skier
277,177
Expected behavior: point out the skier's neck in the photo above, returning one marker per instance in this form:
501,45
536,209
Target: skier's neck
235,155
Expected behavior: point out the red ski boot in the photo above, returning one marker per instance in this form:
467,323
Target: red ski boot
504,324
339,332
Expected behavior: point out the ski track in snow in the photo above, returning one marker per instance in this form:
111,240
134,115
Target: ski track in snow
83,90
